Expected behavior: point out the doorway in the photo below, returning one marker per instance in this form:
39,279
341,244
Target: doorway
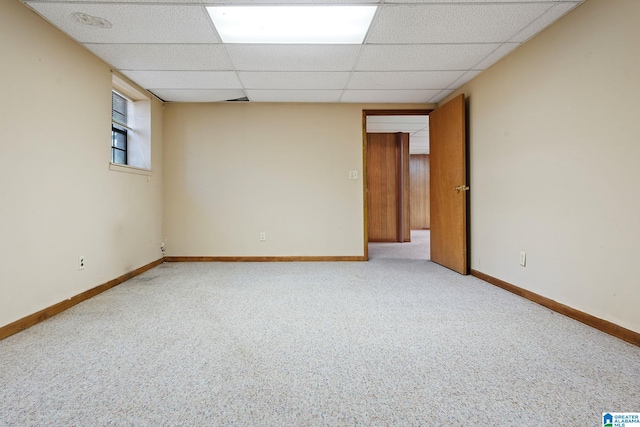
396,181
448,186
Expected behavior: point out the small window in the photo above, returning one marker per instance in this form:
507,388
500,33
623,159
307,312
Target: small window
119,128
130,127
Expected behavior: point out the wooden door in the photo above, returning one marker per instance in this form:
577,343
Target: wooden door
420,206
388,198
448,187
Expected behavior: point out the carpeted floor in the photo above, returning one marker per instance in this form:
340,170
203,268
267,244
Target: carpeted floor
418,248
388,342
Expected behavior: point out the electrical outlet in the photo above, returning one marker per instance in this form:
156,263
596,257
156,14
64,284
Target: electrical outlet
263,236
353,174
81,262
523,258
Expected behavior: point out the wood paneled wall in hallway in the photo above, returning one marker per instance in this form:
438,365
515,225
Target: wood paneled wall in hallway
388,198
404,229
382,184
420,207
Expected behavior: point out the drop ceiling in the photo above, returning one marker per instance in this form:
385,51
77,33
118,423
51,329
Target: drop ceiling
416,51
416,126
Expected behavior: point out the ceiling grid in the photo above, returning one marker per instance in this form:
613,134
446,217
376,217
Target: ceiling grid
415,51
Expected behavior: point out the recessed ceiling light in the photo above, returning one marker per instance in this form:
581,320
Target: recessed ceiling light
292,24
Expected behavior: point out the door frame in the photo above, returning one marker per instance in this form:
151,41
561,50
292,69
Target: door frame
365,113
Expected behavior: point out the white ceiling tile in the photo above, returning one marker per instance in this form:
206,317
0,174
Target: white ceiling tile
403,79
293,80
258,2
502,51
423,57
171,47
132,23
545,20
294,95
386,96
199,95
422,134
123,1
466,77
164,56
441,95
273,57
398,120
416,126
470,1
455,23
185,79
392,127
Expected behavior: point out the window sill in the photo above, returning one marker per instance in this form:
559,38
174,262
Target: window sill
130,169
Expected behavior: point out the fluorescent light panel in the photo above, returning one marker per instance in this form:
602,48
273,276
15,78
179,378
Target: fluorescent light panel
292,24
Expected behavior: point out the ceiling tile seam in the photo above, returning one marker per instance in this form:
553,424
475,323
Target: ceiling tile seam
154,44
473,68
208,3
475,3
226,51
207,70
314,71
315,90
470,70
381,5
116,2
351,72
354,67
294,44
455,85
557,4
395,70
194,88
553,6
436,96
439,44
413,71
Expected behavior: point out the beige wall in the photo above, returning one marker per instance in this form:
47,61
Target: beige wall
58,198
555,145
235,170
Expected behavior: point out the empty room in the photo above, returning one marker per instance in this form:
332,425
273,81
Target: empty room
189,213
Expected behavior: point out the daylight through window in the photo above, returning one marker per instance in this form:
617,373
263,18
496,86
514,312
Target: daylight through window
119,128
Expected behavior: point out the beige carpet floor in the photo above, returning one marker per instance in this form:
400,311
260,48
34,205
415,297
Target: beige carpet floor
418,248
389,342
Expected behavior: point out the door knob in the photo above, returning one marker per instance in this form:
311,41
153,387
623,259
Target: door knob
461,188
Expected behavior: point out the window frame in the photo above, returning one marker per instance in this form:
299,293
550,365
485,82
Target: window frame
138,128
117,127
